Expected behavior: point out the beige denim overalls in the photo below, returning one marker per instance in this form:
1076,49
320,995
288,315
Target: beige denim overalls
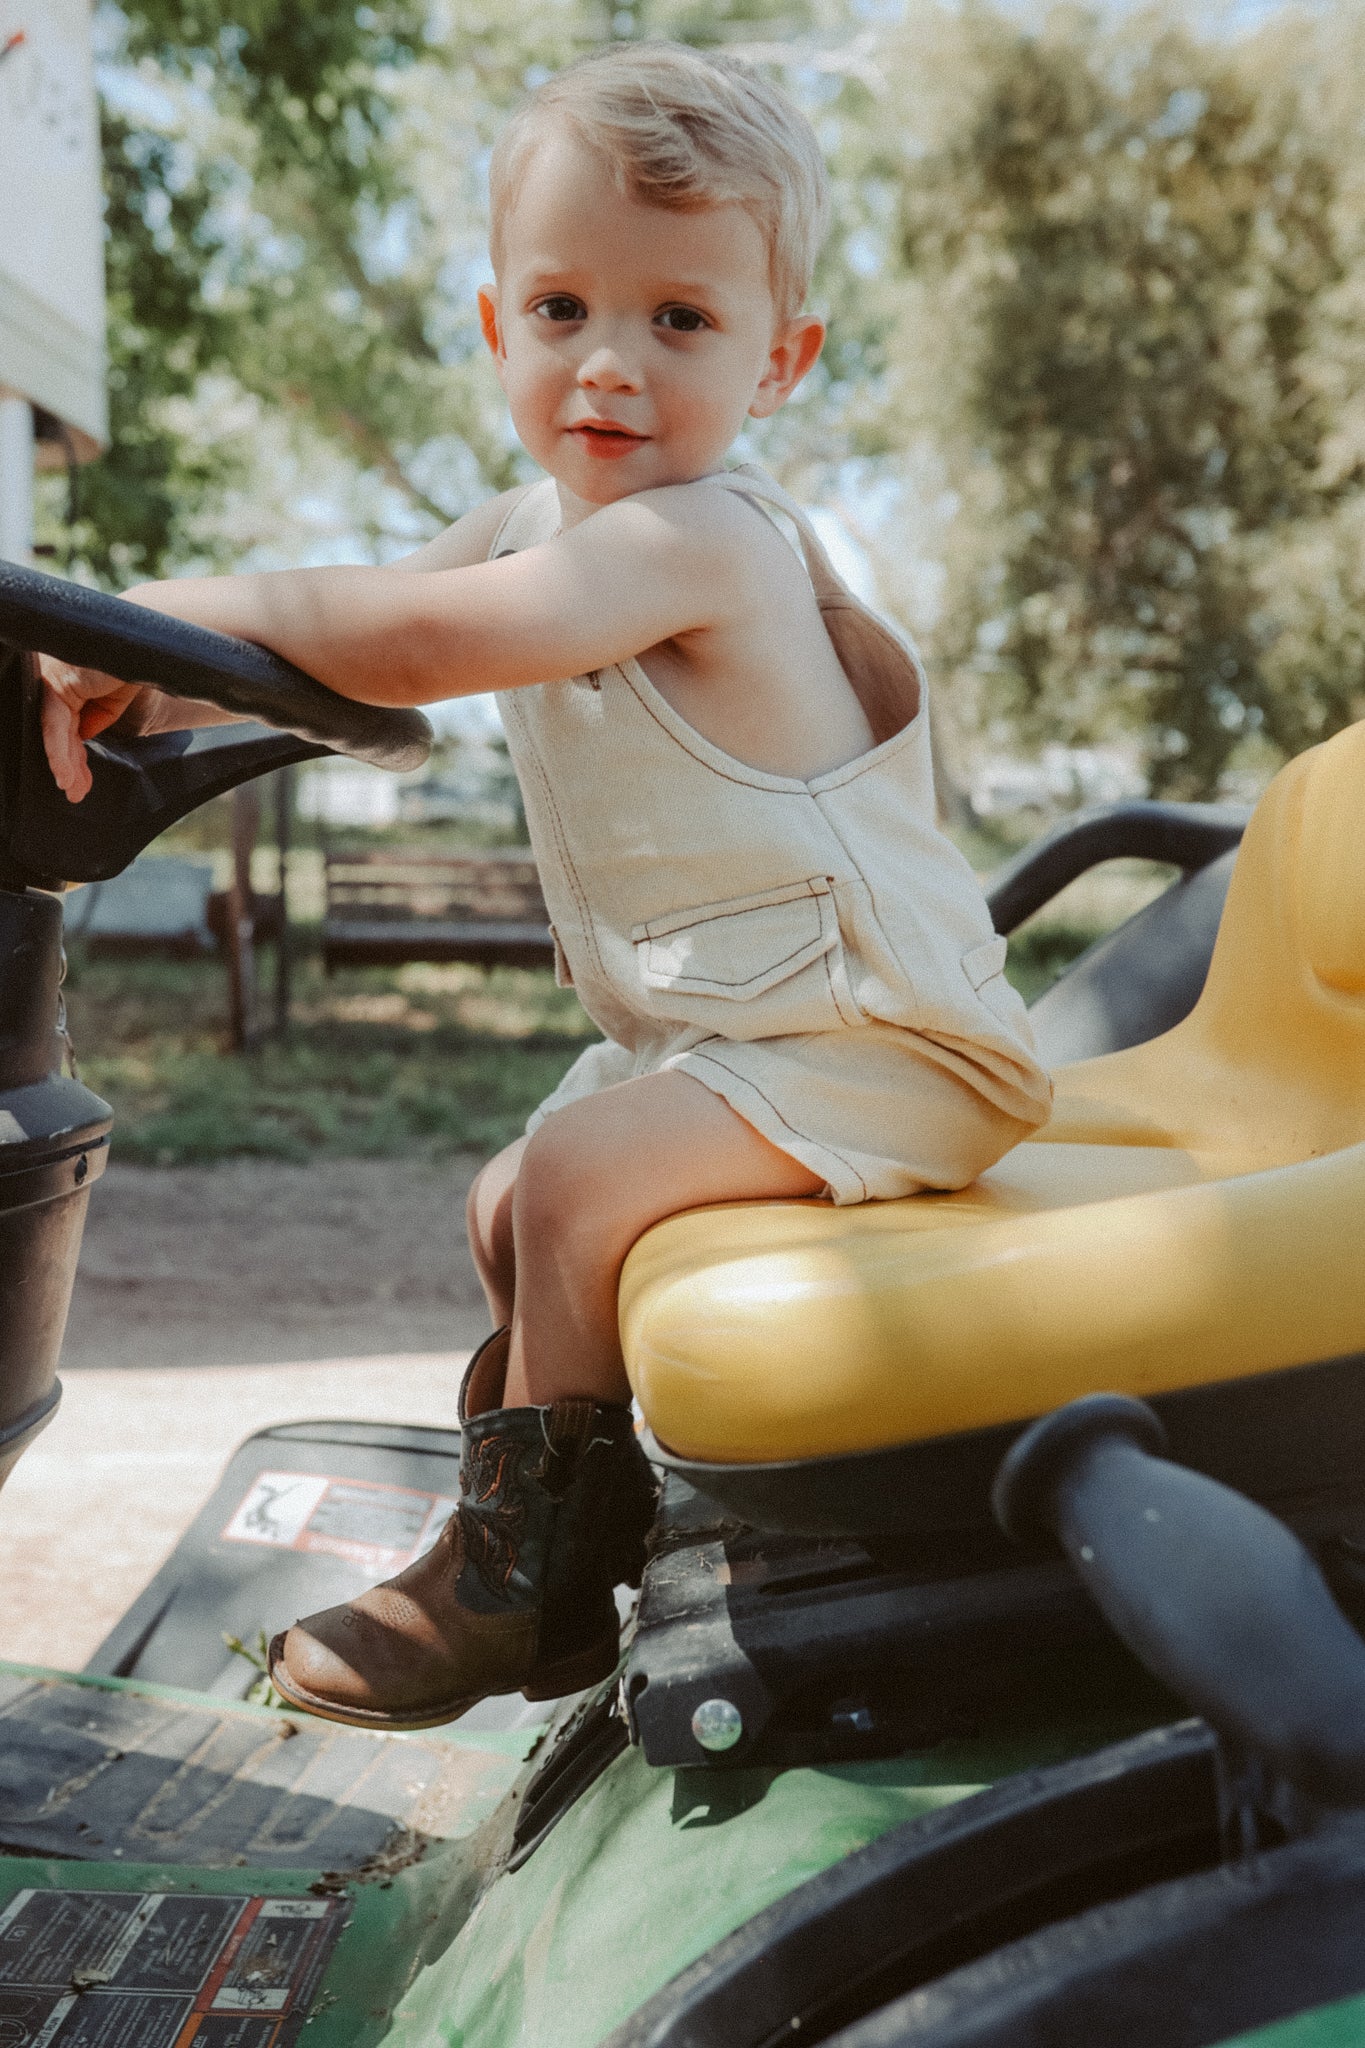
817,953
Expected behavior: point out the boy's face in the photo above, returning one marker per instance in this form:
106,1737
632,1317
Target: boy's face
632,342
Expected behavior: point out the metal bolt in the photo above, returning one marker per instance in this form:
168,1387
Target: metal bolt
717,1724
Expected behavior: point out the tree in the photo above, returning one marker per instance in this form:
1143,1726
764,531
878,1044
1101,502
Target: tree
1092,390
1120,246
296,226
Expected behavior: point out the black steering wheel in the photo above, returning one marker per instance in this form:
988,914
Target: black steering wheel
43,614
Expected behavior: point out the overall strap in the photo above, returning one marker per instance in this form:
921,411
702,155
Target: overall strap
881,665
531,518
749,481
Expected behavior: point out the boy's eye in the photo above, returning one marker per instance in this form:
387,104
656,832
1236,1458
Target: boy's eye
561,306
682,320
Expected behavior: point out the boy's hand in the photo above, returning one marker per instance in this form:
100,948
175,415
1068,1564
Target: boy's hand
77,704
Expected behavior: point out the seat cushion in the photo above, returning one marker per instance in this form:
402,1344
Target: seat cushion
1190,1215
1269,1067
774,1331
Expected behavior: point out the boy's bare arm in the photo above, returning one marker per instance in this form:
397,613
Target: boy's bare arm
80,703
638,572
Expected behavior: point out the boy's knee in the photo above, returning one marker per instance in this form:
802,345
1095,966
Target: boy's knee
476,1223
570,1184
553,1165
488,1217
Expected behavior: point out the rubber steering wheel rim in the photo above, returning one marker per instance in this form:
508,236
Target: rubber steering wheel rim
48,615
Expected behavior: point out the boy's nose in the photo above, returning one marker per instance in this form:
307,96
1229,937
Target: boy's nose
606,369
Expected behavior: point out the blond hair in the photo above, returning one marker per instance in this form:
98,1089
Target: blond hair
685,129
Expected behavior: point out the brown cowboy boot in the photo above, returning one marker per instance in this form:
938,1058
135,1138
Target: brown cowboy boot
516,1593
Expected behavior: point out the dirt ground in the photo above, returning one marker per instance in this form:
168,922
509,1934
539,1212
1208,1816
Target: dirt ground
212,1302
256,1263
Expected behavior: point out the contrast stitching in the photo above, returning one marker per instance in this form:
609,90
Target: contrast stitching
700,984
743,781
917,1001
562,847
712,913
876,757
759,490
851,1022
709,986
982,946
832,594
823,944
817,1144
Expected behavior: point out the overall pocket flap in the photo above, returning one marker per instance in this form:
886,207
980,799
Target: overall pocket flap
742,947
982,963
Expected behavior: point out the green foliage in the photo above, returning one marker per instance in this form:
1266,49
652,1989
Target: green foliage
1042,952
1123,240
161,338
418,1064
1092,396
296,227
261,1693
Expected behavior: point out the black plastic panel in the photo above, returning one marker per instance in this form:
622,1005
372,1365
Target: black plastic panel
1186,836
831,1651
54,1141
1215,1596
294,1548
1182,1965
1287,1438
1141,979
305,1515
94,1773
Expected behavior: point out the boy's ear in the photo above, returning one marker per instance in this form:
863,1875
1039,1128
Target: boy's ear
794,352
488,321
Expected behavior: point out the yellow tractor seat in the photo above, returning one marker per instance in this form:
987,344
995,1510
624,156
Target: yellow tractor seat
1188,1227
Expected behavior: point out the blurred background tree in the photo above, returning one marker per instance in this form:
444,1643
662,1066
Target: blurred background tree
1125,248
296,227
1093,400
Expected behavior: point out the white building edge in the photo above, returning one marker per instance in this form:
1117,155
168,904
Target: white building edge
52,351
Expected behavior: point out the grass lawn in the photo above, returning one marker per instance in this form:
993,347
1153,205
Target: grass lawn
416,1061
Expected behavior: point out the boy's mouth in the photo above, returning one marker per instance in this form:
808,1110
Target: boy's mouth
603,439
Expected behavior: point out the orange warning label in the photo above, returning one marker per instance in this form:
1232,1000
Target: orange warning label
160,1969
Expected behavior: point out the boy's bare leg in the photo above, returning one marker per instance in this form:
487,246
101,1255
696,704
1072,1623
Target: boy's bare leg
591,1180
488,1214
419,1649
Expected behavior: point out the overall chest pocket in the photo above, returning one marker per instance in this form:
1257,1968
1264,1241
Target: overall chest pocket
752,966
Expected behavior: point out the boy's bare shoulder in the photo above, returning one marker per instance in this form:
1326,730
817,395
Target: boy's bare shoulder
732,538
704,508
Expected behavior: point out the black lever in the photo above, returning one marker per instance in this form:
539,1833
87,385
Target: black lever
1212,1593
1188,836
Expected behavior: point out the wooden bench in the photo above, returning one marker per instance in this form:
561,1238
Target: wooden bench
391,905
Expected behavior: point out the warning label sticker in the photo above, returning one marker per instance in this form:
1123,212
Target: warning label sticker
159,1969
379,1528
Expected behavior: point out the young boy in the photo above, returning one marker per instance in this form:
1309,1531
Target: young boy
726,771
